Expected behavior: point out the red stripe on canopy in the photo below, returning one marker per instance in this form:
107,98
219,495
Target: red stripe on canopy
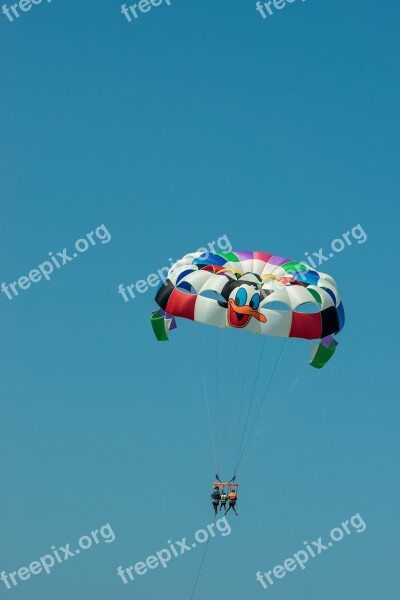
181,304
307,326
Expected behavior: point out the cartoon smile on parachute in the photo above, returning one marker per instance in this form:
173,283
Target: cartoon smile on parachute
243,304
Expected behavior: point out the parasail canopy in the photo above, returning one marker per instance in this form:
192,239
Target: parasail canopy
254,291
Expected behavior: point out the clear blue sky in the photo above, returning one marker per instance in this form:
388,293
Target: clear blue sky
196,120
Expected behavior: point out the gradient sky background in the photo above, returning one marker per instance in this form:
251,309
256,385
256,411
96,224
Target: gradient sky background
197,120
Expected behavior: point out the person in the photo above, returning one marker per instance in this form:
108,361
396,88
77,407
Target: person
224,498
215,498
232,501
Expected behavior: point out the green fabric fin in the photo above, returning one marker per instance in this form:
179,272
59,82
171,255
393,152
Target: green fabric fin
322,353
160,326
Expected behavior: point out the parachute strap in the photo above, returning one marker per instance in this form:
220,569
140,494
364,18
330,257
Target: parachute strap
161,323
323,352
228,485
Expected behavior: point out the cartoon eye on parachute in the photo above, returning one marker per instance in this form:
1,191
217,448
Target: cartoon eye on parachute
247,288
241,292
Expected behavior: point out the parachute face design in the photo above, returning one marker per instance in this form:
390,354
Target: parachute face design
256,291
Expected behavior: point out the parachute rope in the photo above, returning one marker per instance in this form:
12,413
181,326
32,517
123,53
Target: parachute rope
280,397
217,400
251,398
230,402
290,393
201,565
243,362
266,427
261,405
187,393
207,403
283,389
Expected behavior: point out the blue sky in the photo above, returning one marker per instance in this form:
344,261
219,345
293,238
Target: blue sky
194,121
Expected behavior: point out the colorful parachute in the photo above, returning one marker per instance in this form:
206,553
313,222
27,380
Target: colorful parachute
256,291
